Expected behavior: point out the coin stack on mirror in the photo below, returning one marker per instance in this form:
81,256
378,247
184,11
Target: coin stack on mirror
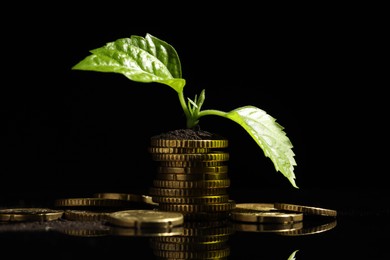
192,177
200,240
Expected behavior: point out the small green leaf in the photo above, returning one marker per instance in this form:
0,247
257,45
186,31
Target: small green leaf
269,135
292,256
150,60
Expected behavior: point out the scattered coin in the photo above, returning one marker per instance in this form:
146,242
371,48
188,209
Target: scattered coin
306,209
257,206
145,219
90,202
256,216
30,214
85,215
269,227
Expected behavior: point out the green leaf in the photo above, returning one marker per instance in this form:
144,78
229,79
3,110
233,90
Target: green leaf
139,59
292,256
269,135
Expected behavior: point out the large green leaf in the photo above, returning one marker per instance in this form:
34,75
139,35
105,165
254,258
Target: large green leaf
139,59
269,135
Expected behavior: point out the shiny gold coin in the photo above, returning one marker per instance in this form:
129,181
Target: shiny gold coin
178,150
186,192
30,214
306,209
208,184
90,202
85,215
192,200
245,215
269,227
85,232
155,142
120,196
203,157
145,219
195,164
216,207
149,200
257,206
193,170
137,198
191,177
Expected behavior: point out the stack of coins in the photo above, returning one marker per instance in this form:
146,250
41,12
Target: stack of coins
192,177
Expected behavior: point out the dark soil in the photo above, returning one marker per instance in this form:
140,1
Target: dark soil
189,134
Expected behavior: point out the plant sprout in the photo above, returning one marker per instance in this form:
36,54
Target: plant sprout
149,59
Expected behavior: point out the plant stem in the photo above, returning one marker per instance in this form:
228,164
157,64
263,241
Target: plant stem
211,112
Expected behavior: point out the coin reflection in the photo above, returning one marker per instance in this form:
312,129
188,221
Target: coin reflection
200,240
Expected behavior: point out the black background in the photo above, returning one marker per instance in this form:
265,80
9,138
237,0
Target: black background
315,69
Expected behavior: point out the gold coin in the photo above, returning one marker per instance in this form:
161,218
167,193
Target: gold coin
155,142
203,157
256,206
269,227
90,202
208,184
306,209
178,150
85,232
191,177
193,170
245,215
30,214
192,200
120,196
145,219
215,207
154,191
85,215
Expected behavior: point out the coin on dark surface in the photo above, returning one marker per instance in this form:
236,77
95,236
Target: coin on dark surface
256,206
85,215
307,210
91,202
269,227
30,214
255,216
145,219
119,196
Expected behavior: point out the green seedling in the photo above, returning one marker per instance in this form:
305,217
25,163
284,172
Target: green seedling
149,59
